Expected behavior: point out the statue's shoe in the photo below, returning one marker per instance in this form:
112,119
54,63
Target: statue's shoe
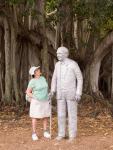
72,139
59,138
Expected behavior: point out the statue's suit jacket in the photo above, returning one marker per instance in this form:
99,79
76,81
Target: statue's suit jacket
67,77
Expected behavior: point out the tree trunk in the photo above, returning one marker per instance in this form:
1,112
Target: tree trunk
8,86
66,24
112,76
79,33
14,71
94,77
86,77
40,8
14,28
24,71
75,32
102,50
57,36
1,64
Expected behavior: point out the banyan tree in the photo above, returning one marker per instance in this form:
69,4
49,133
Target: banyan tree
32,30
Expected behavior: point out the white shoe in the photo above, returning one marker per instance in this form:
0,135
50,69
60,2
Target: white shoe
34,137
47,135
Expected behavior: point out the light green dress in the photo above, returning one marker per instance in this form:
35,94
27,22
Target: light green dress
39,106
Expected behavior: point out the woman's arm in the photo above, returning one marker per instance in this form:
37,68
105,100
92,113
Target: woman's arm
29,92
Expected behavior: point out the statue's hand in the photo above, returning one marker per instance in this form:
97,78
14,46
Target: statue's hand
77,98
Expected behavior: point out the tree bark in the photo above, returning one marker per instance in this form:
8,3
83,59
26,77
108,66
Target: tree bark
1,64
112,76
66,24
102,50
8,86
57,36
40,8
14,28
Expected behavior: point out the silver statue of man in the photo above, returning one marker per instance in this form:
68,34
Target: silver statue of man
67,82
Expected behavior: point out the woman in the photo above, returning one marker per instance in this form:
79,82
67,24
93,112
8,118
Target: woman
37,94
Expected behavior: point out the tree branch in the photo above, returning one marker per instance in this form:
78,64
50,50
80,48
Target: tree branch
51,13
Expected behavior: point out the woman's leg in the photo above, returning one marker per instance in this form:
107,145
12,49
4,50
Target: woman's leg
46,133
34,136
34,121
45,124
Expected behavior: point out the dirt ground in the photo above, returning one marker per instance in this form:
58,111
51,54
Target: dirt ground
93,134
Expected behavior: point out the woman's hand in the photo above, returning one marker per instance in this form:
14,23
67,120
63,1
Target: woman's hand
29,93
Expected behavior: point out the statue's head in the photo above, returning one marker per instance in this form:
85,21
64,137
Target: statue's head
62,53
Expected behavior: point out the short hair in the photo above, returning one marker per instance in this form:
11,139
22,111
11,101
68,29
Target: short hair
33,76
63,49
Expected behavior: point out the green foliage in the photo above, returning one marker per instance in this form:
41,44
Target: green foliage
31,2
99,13
51,5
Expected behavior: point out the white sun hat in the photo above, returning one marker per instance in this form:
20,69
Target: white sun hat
32,70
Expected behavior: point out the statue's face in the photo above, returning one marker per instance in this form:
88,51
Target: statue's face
61,55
